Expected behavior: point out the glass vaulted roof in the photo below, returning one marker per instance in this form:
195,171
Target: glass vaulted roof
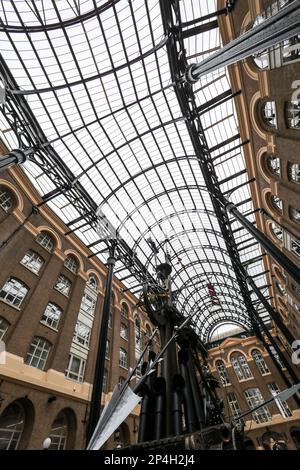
89,85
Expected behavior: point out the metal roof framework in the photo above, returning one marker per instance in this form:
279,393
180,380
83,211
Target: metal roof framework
94,87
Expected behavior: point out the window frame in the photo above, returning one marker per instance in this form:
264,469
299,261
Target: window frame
33,355
61,276
37,256
49,245
14,304
53,324
81,369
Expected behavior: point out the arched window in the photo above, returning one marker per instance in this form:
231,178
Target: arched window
33,261
92,282
222,372
273,164
295,247
277,203
51,315
59,432
269,114
12,423
260,362
38,353
292,114
4,325
45,240
63,285
294,172
281,289
13,292
295,215
124,310
7,199
71,264
240,366
277,231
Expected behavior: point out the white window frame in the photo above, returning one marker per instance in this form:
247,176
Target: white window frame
254,398
282,405
66,285
71,264
6,200
39,346
82,340
52,315
32,261
73,375
11,289
4,325
88,304
222,371
123,358
260,362
124,330
45,240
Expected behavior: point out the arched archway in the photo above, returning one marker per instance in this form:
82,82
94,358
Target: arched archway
63,430
122,435
16,423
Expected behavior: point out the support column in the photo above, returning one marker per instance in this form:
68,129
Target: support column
100,359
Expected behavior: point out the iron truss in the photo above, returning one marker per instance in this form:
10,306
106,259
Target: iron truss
95,96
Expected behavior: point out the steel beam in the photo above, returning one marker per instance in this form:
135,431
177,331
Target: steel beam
283,25
15,157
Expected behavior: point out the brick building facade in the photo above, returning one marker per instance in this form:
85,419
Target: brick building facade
50,312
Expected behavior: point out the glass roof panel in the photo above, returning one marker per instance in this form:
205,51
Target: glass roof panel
96,77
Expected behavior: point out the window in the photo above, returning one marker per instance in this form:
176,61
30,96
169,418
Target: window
292,114
105,382
121,380
32,261
280,289
123,331
45,240
59,432
123,358
295,247
12,422
222,372
38,353
6,200
294,172
107,349
273,164
51,315
13,292
241,367
277,231
110,321
71,264
63,285
82,334
276,356
295,215
260,362
234,405
92,282
254,398
88,304
277,203
124,311
281,405
75,369
3,328
296,289
269,114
